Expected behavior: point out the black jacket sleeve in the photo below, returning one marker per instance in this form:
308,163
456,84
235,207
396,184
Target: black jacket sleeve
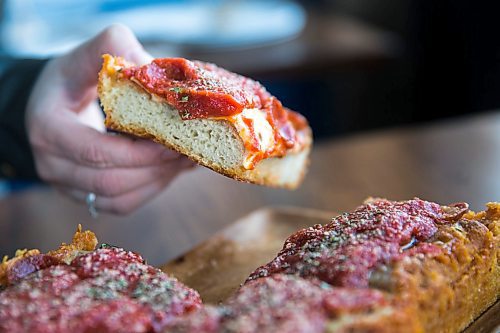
17,78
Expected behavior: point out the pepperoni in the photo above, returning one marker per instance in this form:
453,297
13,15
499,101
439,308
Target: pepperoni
201,90
197,89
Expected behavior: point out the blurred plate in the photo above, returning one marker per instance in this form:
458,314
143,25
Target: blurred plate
217,24
41,28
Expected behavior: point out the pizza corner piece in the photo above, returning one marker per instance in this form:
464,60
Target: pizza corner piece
83,287
222,120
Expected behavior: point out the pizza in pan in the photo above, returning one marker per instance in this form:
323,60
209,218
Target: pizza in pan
388,266
82,287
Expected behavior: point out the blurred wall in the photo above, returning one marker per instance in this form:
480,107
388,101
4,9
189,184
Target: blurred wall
448,64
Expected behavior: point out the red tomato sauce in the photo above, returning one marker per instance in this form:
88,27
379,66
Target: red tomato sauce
202,90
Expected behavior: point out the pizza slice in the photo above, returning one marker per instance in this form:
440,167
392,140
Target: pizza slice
224,121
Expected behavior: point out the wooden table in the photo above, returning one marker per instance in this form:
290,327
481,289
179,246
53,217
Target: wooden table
454,160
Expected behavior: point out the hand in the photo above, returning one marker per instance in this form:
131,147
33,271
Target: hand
66,132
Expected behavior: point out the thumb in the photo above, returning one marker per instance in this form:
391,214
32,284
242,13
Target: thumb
82,64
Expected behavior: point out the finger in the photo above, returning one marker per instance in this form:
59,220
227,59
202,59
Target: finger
92,117
108,182
129,202
117,40
126,203
87,146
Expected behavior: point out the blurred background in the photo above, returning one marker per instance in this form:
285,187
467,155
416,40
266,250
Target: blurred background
348,65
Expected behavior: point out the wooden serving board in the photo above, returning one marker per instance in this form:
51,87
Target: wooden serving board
217,267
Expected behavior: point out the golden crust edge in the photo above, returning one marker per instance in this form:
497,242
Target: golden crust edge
81,241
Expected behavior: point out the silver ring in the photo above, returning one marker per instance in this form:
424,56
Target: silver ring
90,201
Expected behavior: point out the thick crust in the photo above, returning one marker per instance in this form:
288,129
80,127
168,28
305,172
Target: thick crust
447,293
268,172
130,109
453,289
382,320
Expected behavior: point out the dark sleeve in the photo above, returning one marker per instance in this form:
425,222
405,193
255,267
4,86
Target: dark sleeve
17,78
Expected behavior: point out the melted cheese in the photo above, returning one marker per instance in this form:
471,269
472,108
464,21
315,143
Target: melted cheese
253,127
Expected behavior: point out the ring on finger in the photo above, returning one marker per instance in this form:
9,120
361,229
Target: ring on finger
90,200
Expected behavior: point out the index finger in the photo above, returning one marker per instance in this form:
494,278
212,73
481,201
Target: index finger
117,40
88,146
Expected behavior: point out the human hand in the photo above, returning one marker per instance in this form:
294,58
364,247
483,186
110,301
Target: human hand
66,132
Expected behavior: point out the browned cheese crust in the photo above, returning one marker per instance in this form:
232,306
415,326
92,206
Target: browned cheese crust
82,242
